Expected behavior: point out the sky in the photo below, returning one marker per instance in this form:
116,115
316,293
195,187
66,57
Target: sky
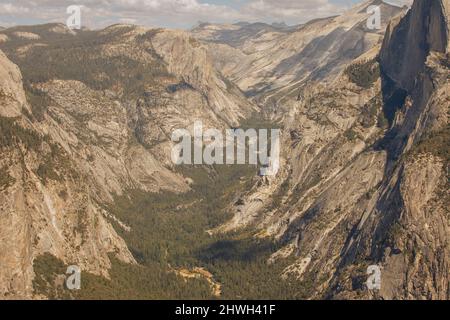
182,14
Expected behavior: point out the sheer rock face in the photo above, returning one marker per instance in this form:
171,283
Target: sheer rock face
354,192
409,40
12,96
94,129
39,214
407,232
411,234
190,60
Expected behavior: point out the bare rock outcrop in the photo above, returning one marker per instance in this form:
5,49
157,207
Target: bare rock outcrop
12,96
46,205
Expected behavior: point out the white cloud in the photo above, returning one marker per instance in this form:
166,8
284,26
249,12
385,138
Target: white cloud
10,9
291,10
399,3
167,13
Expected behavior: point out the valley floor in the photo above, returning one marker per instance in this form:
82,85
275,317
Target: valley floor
169,238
